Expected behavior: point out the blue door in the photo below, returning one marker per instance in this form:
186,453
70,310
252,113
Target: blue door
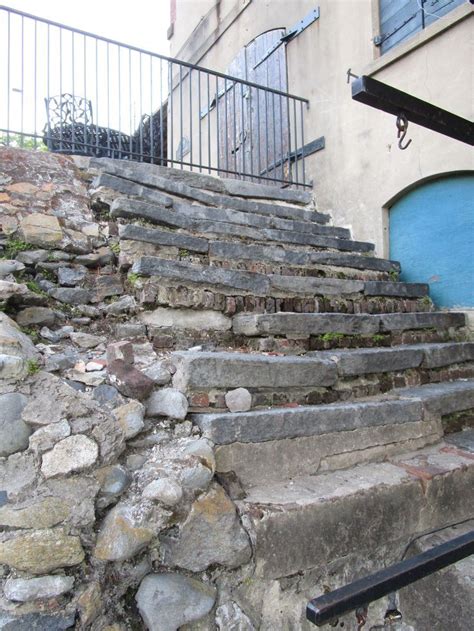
432,235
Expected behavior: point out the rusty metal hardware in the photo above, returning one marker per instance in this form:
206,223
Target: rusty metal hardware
402,127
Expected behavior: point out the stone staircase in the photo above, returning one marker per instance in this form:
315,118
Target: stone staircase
340,449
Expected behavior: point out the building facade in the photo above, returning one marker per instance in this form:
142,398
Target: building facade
359,175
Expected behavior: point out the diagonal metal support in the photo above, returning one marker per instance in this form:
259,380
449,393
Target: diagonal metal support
388,99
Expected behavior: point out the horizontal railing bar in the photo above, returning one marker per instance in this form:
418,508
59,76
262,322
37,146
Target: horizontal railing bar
156,158
172,60
360,593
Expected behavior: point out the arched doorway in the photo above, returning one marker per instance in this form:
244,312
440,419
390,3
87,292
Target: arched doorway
432,235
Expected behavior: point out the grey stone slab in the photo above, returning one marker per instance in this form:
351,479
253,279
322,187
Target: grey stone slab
315,286
151,179
199,219
386,288
438,355
442,398
256,284
234,370
374,360
126,187
421,320
463,440
197,180
304,324
316,520
72,295
133,209
319,241
163,237
248,189
276,424
284,254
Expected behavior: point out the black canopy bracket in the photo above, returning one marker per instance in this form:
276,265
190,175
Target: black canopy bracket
388,99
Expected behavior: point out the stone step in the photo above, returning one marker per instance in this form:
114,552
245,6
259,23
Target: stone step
190,213
312,521
128,181
199,220
306,440
403,405
303,325
233,253
356,362
289,255
272,285
320,377
196,180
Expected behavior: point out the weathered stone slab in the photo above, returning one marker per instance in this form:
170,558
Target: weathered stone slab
254,463
374,360
314,286
443,398
278,423
198,180
163,237
175,187
438,355
304,324
202,320
405,290
284,254
256,284
317,240
41,229
293,528
462,440
421,320
232,370
126,187
248,189
71,295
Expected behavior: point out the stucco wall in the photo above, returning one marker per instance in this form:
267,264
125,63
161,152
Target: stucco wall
361,169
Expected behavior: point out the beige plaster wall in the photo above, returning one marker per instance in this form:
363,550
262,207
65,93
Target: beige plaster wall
361,169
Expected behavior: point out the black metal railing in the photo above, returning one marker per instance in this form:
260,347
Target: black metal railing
78,93
359,594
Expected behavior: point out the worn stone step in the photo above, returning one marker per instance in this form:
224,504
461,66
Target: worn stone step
355,362
307,324
403,405
237,188
316,378
312,521
140,182
273,284
289,255
306,440
197,219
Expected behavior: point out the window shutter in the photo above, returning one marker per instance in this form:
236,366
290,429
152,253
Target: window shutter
398,20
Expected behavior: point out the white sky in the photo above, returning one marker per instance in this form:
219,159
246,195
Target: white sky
141,23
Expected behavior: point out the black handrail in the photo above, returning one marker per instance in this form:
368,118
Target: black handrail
360,593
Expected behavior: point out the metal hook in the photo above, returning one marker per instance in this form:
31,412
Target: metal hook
351,74
402,127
